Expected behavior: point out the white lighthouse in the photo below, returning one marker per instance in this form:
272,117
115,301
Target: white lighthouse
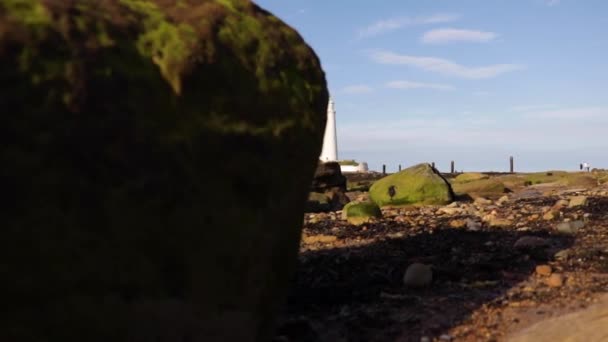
330,140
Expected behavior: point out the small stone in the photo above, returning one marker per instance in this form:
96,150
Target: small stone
570,227
500,222
577,201
418,275
544,270
397,235
548,216
562,255
530,242
450,211
502,200
453,205
473,225
445,337
425,339
482,201
555,280
458,223
534,217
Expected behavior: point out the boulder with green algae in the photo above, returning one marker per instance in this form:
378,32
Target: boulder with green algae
416,185
156,160
360,212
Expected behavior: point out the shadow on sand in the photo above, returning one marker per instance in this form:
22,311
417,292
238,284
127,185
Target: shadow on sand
357,293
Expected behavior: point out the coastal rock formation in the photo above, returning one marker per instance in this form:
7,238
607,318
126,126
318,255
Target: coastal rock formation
360,212
328,188
419,184
144,161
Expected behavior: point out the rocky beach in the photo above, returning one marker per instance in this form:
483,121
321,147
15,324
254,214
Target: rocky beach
481,268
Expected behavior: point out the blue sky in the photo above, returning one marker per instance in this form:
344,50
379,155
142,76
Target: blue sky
474,81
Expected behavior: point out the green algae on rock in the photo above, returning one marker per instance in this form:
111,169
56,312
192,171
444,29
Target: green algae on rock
360,212
419,184
144,170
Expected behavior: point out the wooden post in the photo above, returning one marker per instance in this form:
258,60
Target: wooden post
383,169
399,167
433,164
452,167
511,164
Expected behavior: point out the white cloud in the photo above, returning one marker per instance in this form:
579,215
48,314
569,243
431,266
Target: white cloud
388,25
583,113
481,93
552,3
357,89
527,108
417,85
444,66
449,35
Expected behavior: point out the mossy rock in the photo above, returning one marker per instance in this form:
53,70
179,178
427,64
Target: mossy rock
489,188
360,212
470,177
416,185
156,161
358,185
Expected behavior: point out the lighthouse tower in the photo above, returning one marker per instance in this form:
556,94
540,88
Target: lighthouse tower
330,141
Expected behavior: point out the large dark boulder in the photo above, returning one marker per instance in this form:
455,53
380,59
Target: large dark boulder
328,176
156,159
328,189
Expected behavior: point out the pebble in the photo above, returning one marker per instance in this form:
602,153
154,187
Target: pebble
502,200
473,225
577,201
549,216
450,211
418,275
544,270
446,338
562,255
570,227
500,222
482,201
458,223
425,339
555,280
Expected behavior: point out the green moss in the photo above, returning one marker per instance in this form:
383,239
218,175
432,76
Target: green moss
167,44
30,13
417,185
359,213
358,186
361,209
